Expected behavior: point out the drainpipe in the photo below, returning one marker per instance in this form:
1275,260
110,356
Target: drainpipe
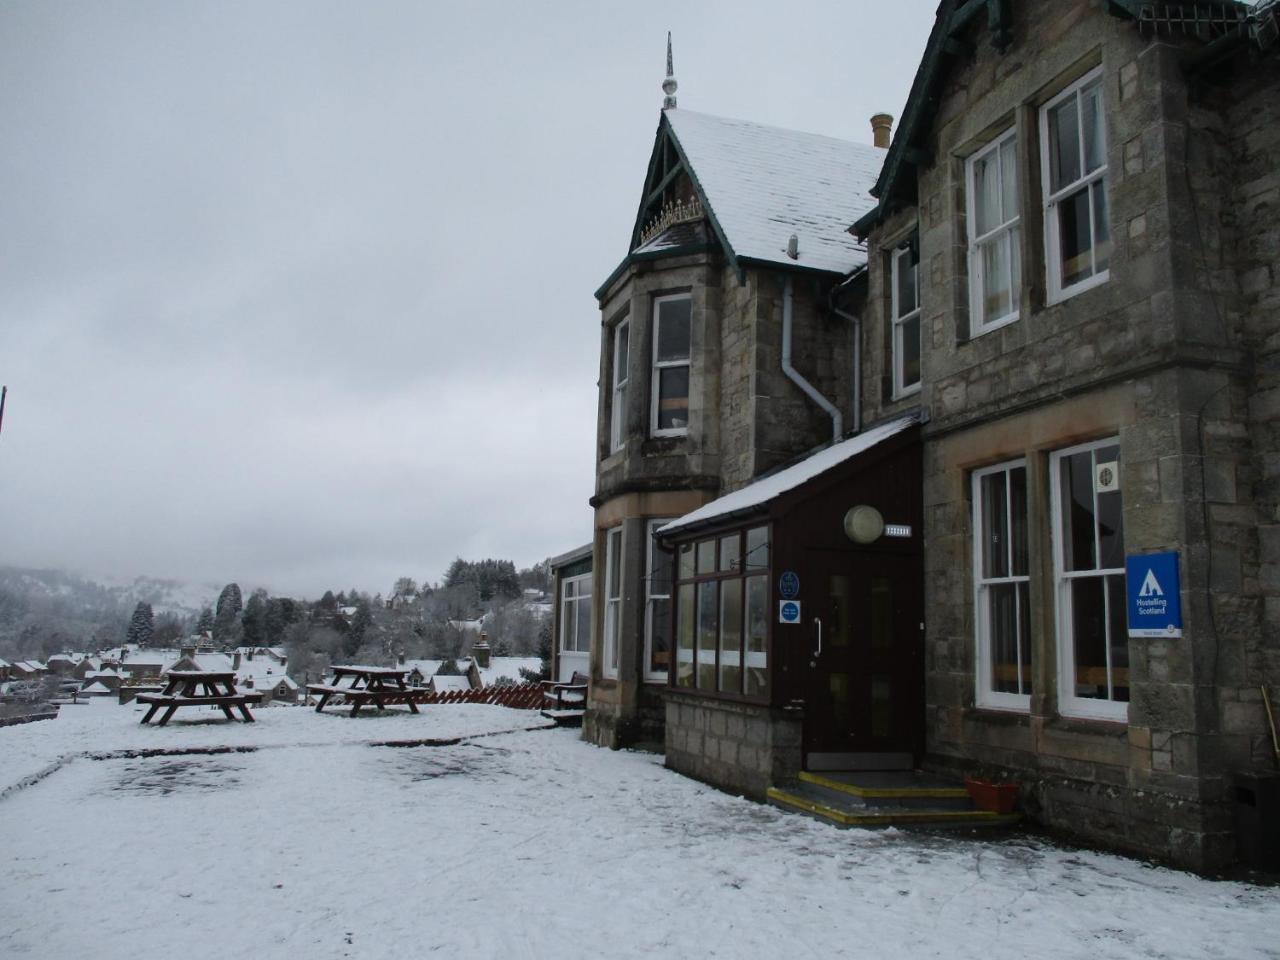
837,424
857,354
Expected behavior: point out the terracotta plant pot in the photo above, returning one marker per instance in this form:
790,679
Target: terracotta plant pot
993,797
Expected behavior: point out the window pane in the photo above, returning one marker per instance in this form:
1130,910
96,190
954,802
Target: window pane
623,336
905,278
1076,481
1119,639
986,194
684,637
909,336
660,571
673,329
1094,137
1015,269
659,632
686,561
615,565
995,530
1024,634
707,556
1002,623
1064,145
1009,179
707,614
673,398
1110,512
582,622
731,636
757,557
997,301
1018,517
1089,632
757,658
730,548
881,706
1101,227
1074,243
881,604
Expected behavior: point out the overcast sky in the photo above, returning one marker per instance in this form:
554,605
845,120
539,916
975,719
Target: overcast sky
300,294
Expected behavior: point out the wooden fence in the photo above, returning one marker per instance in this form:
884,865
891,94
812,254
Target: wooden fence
524,696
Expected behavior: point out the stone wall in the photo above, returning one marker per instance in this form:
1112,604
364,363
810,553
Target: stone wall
737,747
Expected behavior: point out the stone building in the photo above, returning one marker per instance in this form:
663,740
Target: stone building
1081,198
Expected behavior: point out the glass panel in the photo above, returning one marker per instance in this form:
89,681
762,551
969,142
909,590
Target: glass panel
731,636
757,557
1024,634
707,556
673,398
1101,227
1119,640
1110,514
619,414
1009,179
841,717
906,281
615,565
1064,145
707,635
673,329
1002,622
986,194
730,549
997,301
910,336
611,610
686,561
583,624
881,614
659,632
757,658
620,361
660,572
1089,632
1015,269
836,633
881,706
1076,481
1018,518
684,637
1073,237
1092,117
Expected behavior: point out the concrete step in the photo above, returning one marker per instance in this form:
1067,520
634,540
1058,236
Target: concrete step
849,801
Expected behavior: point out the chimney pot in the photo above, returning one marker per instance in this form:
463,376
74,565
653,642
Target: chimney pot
882,129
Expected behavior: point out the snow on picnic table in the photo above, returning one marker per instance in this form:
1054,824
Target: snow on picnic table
529,844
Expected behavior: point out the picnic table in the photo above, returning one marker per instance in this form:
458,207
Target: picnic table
198,688
377,685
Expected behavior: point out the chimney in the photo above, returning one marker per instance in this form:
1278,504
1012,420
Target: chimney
882,129
480,651
189,652
401,657
235,660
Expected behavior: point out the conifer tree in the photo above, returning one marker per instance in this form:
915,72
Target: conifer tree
226,627
142,625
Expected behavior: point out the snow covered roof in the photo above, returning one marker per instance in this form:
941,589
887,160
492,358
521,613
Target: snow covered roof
441,684
760,492
761,184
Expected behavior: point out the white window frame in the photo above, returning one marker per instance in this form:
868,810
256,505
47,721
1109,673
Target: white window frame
1012,226
652,676
985,695
621,377
1069,705
573,603
1056,293
613,542
899,389
655,376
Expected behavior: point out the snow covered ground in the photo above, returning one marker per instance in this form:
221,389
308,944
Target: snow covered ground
521,844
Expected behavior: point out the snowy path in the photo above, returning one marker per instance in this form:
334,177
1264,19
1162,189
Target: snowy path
532,844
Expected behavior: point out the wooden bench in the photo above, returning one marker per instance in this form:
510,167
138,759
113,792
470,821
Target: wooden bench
172,702
559,695
377,685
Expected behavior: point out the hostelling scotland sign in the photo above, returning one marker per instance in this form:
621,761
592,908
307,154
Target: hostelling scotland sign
1151,583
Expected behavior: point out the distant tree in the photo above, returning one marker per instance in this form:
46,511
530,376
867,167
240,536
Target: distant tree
537,577
142,625
361,621
493,579
253,619
169,629
226,625
449,669
405,587
544,651
281,612
205,623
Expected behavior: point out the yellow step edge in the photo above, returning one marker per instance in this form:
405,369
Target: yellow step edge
880,819
936,793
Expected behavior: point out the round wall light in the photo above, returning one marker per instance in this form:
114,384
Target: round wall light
863,524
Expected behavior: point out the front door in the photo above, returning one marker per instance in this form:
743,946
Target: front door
864,706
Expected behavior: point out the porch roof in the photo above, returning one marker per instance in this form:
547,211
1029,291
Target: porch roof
758,493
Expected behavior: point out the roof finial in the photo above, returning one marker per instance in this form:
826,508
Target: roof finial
669,84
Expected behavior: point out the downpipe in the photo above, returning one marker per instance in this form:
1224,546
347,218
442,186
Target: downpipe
837,422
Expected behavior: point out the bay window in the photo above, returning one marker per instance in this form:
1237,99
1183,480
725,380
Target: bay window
995,263
1074,169
904,271
1002,581
672,319
1093,641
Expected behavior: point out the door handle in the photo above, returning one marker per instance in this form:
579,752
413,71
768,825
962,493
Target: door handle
818,621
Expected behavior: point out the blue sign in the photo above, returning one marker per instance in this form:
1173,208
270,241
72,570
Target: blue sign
789,585
789,611
1151,585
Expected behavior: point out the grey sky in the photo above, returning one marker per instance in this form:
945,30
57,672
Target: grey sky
299,294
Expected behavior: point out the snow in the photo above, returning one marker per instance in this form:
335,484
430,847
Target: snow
763,184
529,844
767,488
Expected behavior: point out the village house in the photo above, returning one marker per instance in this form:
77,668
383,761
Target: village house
880,432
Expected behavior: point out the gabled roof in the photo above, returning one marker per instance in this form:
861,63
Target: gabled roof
757,494
761,184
